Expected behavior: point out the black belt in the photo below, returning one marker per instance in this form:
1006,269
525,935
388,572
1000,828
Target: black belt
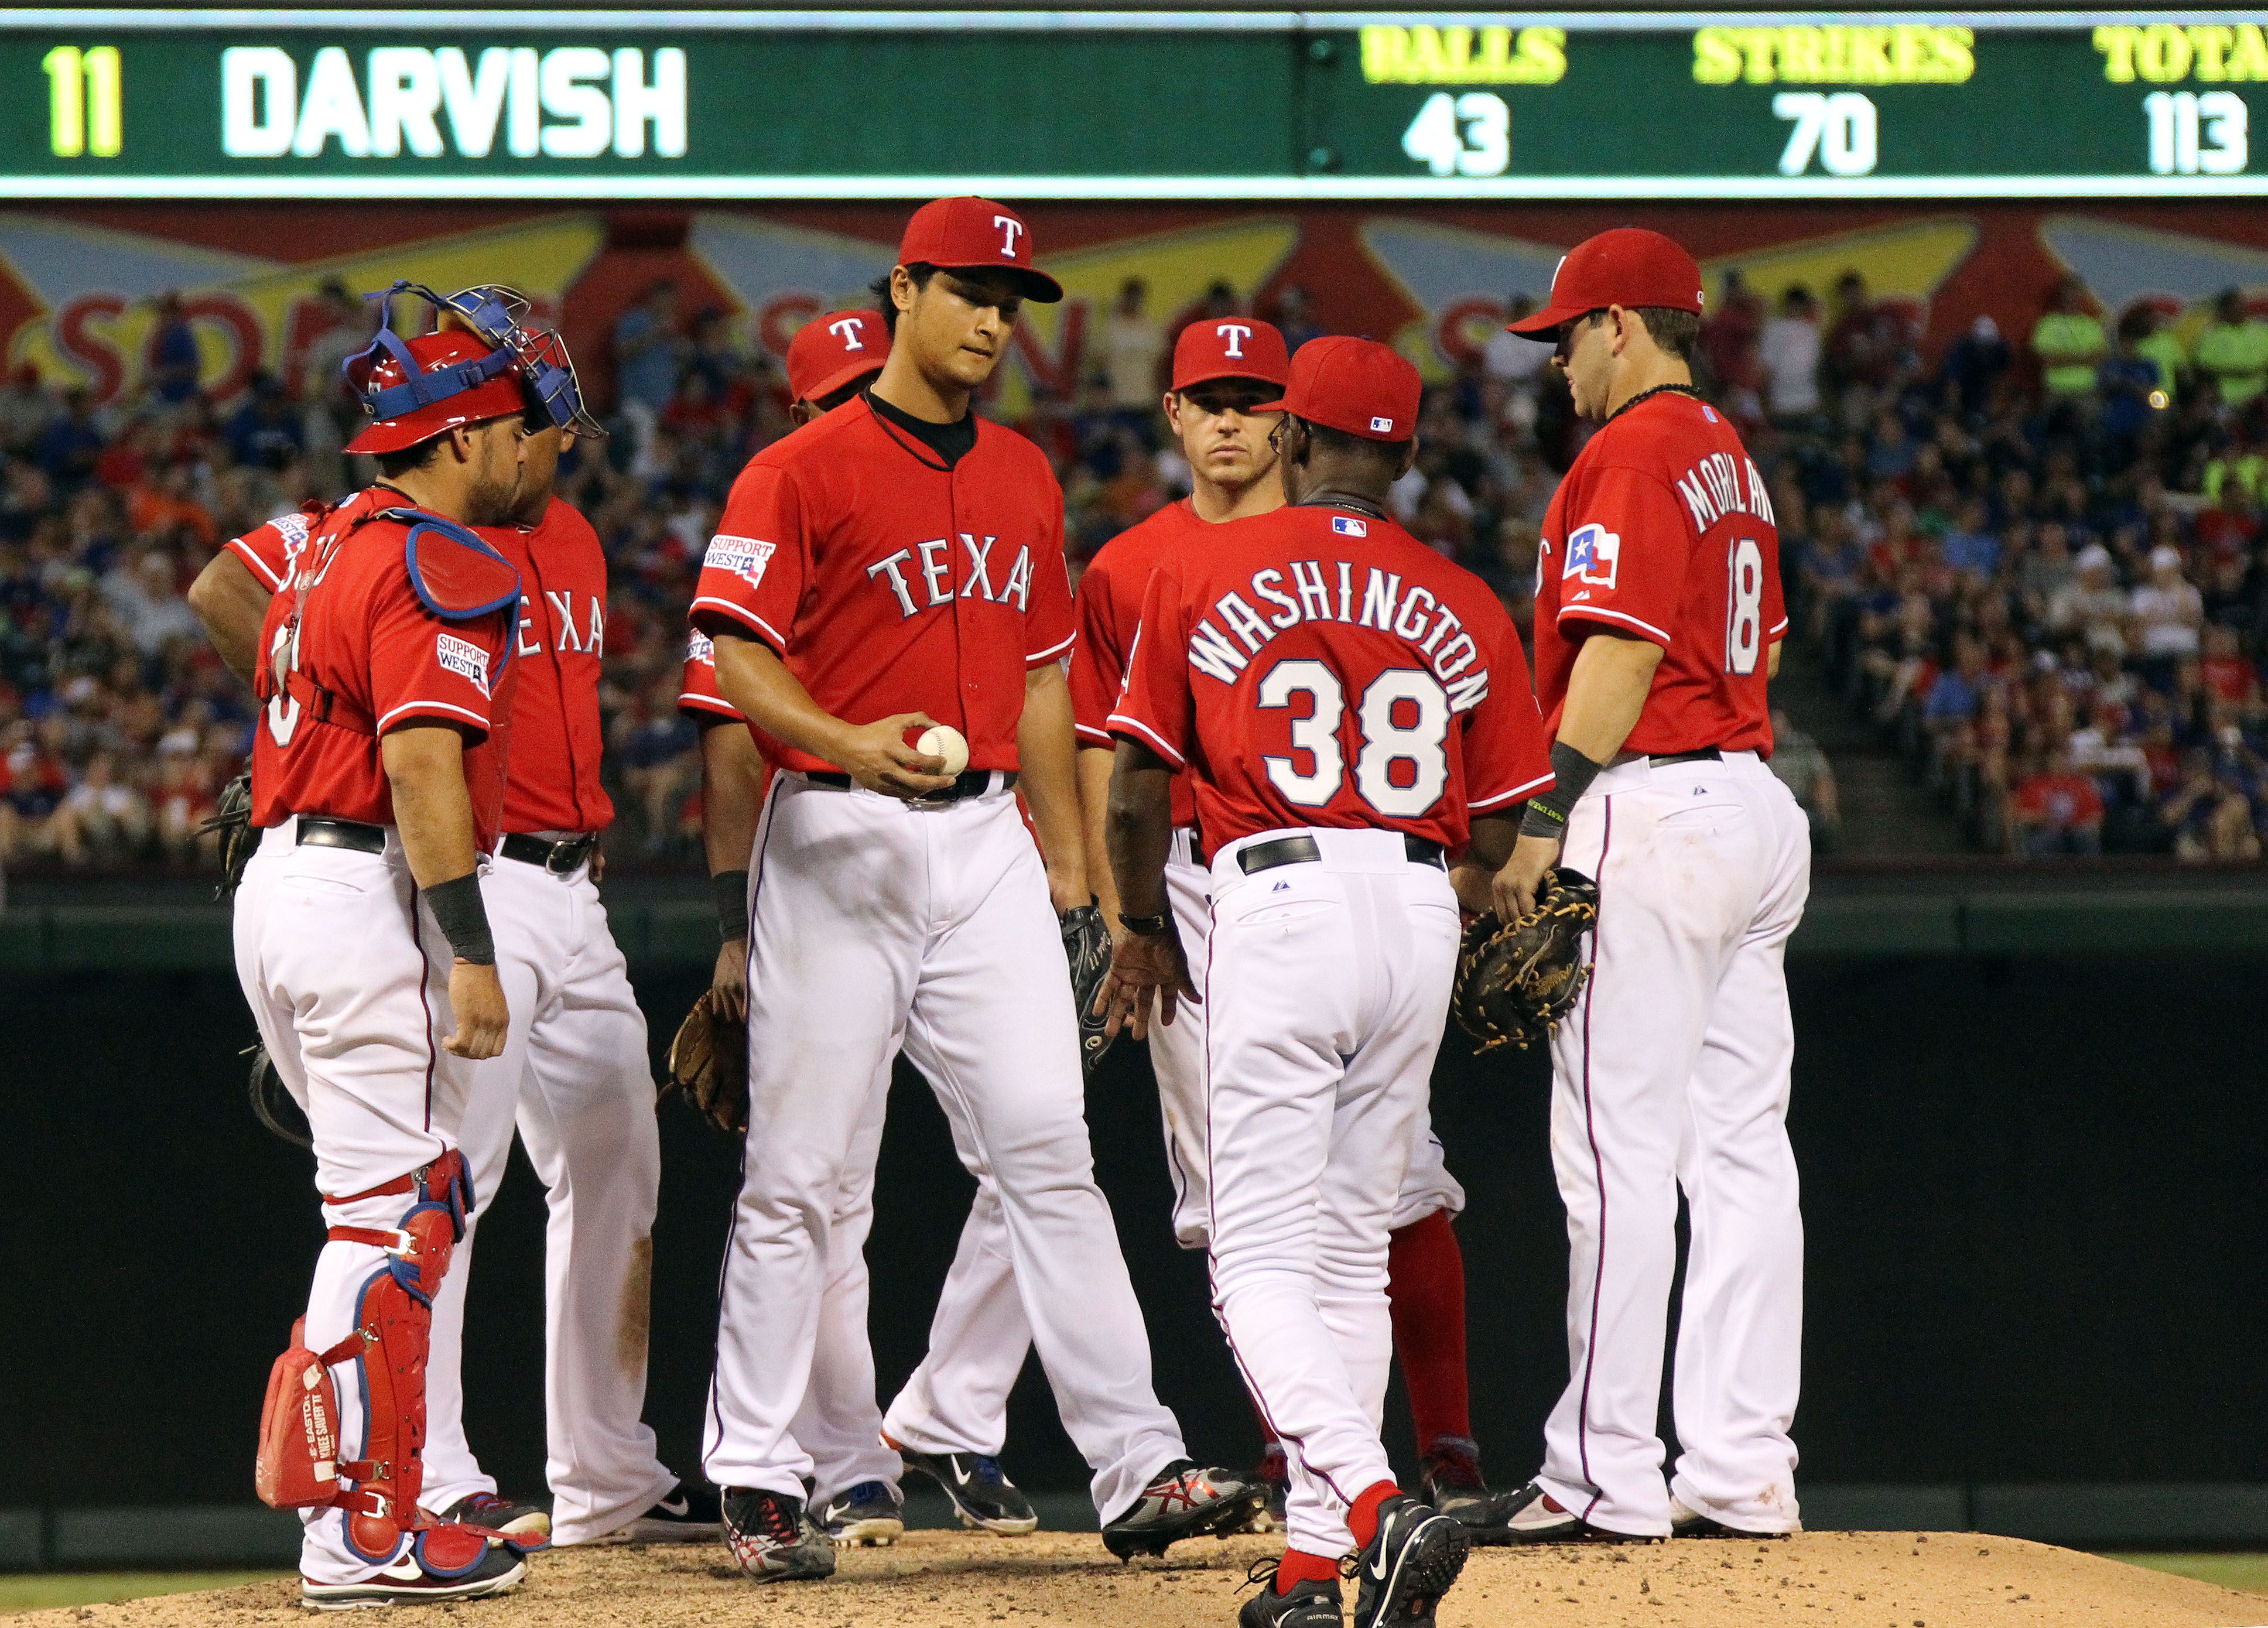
321,831
1303,851
1706,754
562,857
968,782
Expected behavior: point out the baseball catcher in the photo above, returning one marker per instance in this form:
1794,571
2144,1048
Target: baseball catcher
1515,982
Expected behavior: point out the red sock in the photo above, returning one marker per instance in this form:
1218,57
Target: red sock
1362,1520
1267,1431
1299,1566
1425,1288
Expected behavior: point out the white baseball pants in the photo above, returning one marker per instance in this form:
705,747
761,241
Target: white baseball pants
1326,989
1177,1059
1673,1071
877,923
575,1079
348,979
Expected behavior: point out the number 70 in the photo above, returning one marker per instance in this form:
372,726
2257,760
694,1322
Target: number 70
1840,129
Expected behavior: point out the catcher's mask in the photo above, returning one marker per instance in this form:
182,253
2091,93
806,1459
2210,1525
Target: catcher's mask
410,399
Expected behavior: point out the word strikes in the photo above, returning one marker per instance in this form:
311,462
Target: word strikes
1713,487
2168,53
1424,55
570,102
935,574
1803,53
1325,591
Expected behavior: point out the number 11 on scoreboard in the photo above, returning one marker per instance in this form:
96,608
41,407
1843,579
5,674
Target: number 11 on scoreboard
84,101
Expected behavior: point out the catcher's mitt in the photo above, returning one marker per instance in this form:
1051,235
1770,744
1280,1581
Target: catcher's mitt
1086,941
270,1102
231,822
1514,984
708,1065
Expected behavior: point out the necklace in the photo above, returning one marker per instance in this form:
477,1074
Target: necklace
1341,500
1646,394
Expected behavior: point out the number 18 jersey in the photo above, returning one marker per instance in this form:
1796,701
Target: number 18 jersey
1315,667
1662,531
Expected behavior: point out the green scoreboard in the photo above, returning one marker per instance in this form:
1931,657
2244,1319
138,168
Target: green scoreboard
465,104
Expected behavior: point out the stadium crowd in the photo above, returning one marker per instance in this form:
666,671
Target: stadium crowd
2037,562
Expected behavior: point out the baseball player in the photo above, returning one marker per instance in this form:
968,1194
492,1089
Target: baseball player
1658,620
1223,369
1344,701
364,948
951,1421
573,1074
898,564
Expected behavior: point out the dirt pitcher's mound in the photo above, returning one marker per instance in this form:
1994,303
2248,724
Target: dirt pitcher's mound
940,1579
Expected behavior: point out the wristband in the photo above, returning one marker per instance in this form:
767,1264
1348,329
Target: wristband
1145,926
732,890
463,918
1571,774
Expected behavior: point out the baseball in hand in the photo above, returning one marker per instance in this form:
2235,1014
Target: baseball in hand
944,740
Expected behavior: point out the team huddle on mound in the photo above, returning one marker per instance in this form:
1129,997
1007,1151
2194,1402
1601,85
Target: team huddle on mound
1288,758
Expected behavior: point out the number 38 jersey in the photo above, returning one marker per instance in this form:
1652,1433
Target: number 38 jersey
1663,529
1315,667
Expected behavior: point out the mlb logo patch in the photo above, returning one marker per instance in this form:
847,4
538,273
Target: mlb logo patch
465,658
1593,554
1347,526
1381,426
744,557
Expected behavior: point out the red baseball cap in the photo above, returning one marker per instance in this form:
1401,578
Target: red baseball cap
1355,384
831,351
429,385
1231,347
964,234
1628,266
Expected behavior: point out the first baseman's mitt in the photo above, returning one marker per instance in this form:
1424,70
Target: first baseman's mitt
1086,941
708,1065
231,821
1514,984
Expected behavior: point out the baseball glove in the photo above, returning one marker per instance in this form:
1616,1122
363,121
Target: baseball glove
708,1065
1514,984
1086,941
270,1102
231,822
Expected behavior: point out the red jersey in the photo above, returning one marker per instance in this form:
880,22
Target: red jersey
556,738
698,694
1109,608
386,661
891,583
1662,528
1318,668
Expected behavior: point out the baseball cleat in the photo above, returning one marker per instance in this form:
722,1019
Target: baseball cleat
1536,1517
1183,1500
1406,1568
1310,1603
983,1496
403,1582
871,1514
1686,1522
772,1536
1451,1483
692,1513
506,1516
1274,1477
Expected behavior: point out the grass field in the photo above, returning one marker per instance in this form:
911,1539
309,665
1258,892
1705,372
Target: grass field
2246,1572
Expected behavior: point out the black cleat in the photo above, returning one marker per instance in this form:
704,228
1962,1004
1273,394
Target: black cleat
1183,1500
1310,1603
1451,1483
983,1496
1409,1565
773,1538
404,1582
530,1523
692,1513
1534,1516
871,1514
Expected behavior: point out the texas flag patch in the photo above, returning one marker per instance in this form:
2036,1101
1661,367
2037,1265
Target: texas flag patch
744,557
465,658
1347,526
1593,554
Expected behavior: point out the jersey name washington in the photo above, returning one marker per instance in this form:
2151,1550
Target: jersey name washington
1713,487
922,577
1338,591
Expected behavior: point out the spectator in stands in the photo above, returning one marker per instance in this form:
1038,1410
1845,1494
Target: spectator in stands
1731,333
2168,611
70,445
649,350
2214,816
26,407
1975,364
1509,358
2162,346
1809,777
173,360
2056,810
1787,353
2233,350
2091,604
101,818
265,432
1132,344
2130,384
1295,317
2067,341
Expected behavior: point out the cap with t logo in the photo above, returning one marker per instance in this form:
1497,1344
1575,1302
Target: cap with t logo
971,234
1628,266
1355,384
834,350
1230,348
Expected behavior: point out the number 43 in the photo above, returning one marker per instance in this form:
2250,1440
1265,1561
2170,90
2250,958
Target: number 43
1469,134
